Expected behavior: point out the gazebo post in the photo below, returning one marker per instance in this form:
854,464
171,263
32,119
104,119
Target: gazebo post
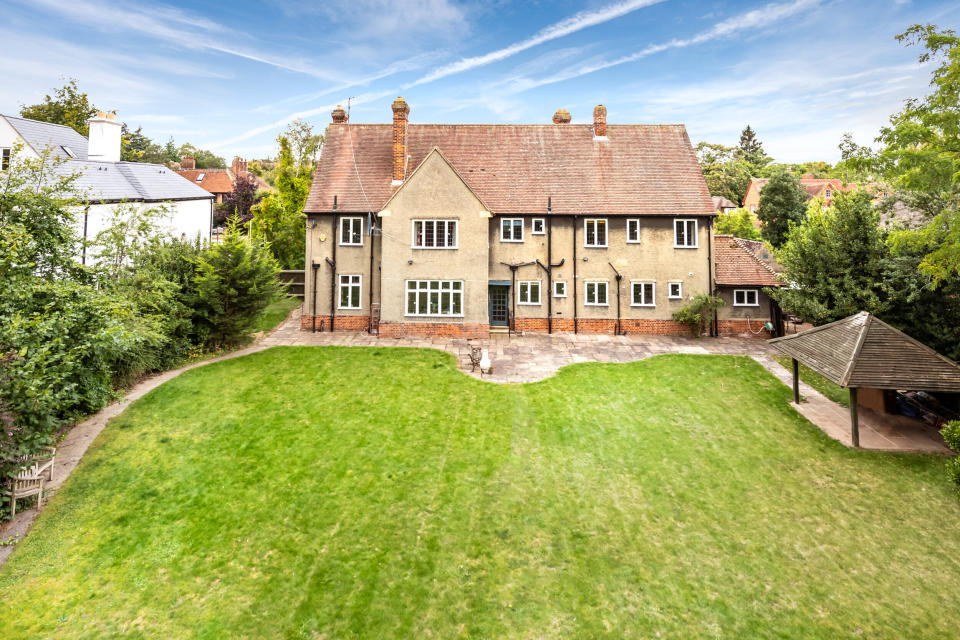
796,381
854,419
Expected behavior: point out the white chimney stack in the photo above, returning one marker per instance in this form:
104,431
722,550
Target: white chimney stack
103,144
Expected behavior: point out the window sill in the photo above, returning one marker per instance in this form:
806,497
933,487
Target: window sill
528,304
431,317
648,306
435,248
502,240
678,246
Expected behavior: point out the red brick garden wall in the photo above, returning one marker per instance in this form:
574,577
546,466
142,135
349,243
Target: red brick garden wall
742,327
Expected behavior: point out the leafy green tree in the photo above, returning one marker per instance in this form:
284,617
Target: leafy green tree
726,175
304,143
738,223
835,261
204,159
278,218
39,196
235,282
783,203
698,313
920,152
68,106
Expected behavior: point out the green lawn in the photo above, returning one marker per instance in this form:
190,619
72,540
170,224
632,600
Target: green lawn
831,390
332,492
275,313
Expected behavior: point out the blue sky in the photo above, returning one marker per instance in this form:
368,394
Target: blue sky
230,75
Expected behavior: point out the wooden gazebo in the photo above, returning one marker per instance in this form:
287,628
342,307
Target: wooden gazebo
863,352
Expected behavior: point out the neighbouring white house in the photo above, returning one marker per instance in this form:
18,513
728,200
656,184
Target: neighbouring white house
106,182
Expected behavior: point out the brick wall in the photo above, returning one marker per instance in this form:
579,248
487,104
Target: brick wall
742,327
431,329
604,325
341,323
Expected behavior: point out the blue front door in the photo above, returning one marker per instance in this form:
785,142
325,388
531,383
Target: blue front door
499,305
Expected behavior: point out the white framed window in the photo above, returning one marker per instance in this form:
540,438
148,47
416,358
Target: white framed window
351,231
538,227
595,293
633,230
435,298
745,298
643,294
435,234
829,193
595,232
685,234
4,158
350,286
511,230
528,292
674,290
559,289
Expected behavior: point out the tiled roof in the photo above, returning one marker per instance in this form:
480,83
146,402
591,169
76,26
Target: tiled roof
639,170
813,186
107,181
719,202
217,180
40,135
863,351
738,263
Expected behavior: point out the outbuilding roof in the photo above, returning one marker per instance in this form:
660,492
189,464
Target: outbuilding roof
218,180
57,137
636,170
737,263
862,351
115,181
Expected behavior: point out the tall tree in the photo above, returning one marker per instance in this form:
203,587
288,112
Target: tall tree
68,106
738,223
726,175
204,159
783,203
304,143
278,219
835,260
921,151
750,148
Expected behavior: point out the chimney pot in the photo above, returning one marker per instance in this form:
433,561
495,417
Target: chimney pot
401,110
103,143
239,165
339,115
561,116
187,162
599,121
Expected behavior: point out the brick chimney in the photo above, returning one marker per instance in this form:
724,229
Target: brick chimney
239,166
400,112
599,122
186,162
339,115
561,116
103,143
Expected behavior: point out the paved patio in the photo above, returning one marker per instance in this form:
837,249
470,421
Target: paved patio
530,357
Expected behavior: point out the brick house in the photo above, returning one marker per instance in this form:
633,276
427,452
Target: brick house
460,230
219,182
824,188
743,269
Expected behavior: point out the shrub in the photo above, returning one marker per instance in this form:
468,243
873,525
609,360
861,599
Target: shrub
235,282
695,314
951,435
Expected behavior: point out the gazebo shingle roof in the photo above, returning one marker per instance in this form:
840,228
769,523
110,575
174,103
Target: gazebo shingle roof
864,352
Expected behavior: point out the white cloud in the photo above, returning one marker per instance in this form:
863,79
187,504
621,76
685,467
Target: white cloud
560,29
172,26
755,19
